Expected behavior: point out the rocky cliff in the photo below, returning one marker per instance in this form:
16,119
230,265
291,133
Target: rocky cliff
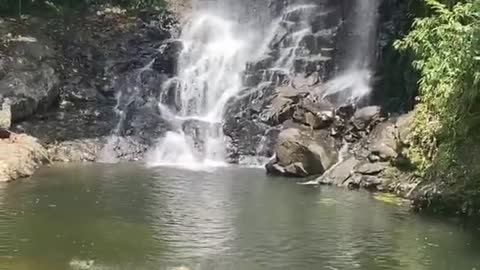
75,82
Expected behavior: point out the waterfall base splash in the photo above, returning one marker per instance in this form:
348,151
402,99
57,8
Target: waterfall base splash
175,150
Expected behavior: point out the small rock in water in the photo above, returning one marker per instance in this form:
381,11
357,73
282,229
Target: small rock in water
328,201
81,264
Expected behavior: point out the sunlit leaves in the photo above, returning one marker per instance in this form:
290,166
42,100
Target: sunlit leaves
446,48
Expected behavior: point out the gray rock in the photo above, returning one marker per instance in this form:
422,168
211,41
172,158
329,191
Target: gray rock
314,121
384,141
30,82
296,169
115,149
364,181
75,151
317,115
290,92
320,120
314,150
371,168
279,110
365,116
340,173
354,181
370,182
404,126
274,168
305,83
316,106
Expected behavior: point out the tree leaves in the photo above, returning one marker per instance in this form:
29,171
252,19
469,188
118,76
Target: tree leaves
446,49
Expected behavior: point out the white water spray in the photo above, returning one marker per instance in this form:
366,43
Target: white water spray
218,42
354,82
214,55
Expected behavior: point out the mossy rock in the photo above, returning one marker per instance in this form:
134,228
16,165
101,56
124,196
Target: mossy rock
388,198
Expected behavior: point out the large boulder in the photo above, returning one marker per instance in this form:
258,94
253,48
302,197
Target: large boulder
20,155
404,126
384,141
301,153
366,116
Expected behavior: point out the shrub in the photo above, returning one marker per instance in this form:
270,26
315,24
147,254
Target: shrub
446,50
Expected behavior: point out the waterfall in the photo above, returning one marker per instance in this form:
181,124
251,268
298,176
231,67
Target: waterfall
217,43
357,59
233,47
219,40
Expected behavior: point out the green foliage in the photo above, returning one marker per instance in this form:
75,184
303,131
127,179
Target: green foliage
446,130
446,50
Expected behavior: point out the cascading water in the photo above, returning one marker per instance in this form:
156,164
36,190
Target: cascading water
356,64
218,41
222,39
215,52
210,65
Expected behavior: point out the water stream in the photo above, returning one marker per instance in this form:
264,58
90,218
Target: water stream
357,64
210,66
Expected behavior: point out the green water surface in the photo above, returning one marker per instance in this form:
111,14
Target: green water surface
127,216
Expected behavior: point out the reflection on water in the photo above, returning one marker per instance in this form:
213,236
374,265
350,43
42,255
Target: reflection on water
129,217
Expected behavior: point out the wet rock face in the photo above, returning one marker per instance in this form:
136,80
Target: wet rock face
28,77
299,58
384,141
74,88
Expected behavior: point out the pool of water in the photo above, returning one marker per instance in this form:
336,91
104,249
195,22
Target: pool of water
127,216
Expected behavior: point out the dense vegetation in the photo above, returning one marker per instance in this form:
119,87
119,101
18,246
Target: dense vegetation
446,132
17,7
